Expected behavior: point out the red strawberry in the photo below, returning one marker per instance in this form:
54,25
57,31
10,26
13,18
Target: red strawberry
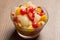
12,14
30,9
31,16
15,19
41,14
35,25
22,12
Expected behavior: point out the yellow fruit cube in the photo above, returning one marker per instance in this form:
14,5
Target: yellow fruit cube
38,10
30,28
41,23
44,18
18,11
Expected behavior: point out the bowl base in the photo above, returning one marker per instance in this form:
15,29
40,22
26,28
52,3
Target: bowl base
23,36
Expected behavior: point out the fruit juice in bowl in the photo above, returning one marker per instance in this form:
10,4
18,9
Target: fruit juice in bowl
29,19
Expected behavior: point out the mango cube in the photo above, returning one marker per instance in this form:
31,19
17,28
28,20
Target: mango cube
18,11
44,18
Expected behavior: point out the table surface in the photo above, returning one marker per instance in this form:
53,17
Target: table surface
51,31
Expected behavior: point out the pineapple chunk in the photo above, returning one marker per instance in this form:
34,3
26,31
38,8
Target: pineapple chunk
44,18
41,23
38,10
18,10
37,17
30,28
24,20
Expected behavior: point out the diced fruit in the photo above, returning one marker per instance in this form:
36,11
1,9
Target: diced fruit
23,12
41,23
31,9
19,24
31,4
28,18
23,7
38,10
30,28
18,10
37,17
41,14
24,20
16,19
31,16
44,18
12,13
24,27
35,25
26,5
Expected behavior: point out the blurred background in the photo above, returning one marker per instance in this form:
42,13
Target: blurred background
51,31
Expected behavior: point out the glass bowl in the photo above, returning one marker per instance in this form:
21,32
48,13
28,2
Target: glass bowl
28,33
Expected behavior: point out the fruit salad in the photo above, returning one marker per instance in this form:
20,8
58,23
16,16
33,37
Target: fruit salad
29,19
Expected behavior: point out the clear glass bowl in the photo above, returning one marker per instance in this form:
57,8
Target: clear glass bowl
27,34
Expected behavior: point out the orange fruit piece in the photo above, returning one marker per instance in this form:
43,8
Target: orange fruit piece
18,10
44,18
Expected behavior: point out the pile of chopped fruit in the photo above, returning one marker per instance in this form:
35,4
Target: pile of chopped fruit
28,18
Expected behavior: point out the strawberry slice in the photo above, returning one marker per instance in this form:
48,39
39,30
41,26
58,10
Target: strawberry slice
34,24
41,14
15,19
31,16
12,14
30,9
23,12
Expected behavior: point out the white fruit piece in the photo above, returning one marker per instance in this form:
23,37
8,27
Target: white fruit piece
37,17
26,5
24,28
23,7
43,22
24,20
30,3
